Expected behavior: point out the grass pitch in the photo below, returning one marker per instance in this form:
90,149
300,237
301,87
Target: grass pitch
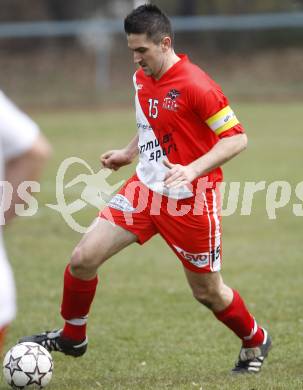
145,330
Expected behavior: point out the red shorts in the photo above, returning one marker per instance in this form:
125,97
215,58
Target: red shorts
191,227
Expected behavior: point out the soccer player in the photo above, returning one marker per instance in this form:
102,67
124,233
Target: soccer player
23,152
186,131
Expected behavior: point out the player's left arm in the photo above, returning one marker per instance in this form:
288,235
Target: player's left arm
224,150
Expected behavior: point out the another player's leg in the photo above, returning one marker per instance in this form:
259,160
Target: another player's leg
80,283
229,308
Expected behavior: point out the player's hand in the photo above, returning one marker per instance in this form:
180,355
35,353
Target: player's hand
178,175
115,159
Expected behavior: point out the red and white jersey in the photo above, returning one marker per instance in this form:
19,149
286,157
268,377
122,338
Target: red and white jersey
180,117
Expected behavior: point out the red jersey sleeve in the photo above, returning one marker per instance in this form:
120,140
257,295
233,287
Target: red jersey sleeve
213,109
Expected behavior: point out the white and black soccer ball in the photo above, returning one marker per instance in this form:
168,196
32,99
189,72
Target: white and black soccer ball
28,365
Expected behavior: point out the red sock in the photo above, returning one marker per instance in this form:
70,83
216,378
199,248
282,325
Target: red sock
78,295
237,318
2,334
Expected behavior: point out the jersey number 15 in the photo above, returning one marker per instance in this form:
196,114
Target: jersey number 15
153,108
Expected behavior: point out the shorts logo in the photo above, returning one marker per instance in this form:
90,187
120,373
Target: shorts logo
120,202
199,260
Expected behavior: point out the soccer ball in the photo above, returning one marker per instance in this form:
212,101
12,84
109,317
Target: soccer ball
28,365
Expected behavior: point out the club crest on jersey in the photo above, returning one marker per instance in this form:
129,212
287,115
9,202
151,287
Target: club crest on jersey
170,100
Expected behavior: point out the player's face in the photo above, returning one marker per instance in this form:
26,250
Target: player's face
151,57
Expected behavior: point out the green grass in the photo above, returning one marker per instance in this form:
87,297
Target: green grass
145,330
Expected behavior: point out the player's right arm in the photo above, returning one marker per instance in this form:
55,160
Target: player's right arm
26,166
117,158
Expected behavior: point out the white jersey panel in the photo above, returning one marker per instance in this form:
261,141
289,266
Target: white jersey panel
150,169
18,132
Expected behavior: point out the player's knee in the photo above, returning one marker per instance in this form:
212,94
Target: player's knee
81,261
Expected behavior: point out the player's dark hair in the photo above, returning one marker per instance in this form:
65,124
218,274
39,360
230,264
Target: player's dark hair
150,20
